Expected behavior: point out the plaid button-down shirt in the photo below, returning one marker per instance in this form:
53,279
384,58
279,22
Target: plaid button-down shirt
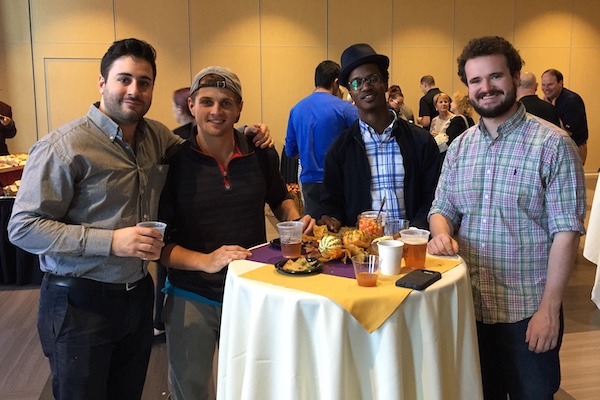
387,169
508,197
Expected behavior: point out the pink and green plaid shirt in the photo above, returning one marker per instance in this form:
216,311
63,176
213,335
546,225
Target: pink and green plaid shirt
507,197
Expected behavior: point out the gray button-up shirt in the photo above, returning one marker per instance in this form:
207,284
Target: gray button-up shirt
81,182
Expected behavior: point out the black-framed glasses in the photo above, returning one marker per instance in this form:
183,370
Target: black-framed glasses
357,83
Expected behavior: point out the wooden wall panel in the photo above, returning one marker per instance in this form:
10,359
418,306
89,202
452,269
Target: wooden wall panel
293,42
293,23
287,76
541,23
71,87
165,25
584,79
586,20
228,23
274,46
356,21
69,21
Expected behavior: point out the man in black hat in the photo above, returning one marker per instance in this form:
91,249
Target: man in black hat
380,156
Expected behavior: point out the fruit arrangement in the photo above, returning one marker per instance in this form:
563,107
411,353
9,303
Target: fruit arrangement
327,246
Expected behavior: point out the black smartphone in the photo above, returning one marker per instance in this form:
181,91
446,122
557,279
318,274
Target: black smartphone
419,279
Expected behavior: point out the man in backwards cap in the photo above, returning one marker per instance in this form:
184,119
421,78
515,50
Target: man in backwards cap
214,196
380,155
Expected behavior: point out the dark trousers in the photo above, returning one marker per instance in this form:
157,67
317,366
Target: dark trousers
311,196
98,342
161,277
508,367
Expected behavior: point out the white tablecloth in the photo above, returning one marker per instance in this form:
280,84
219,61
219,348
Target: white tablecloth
591,251
279,343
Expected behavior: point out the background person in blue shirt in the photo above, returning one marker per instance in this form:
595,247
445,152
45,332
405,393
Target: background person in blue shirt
312,126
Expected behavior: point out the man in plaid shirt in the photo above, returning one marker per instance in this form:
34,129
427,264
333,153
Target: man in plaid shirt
511,201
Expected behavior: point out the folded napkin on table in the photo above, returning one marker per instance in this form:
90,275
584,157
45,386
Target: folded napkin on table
371,306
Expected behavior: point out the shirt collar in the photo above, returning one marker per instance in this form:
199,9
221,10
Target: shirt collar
109,127
367,129
510,125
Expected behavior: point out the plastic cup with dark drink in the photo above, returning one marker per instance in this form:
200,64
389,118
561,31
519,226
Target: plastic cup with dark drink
290,235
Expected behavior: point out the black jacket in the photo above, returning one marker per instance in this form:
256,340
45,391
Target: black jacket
346,188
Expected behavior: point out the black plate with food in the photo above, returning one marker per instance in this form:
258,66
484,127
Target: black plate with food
300,266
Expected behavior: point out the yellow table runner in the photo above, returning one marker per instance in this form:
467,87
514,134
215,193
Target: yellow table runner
371,306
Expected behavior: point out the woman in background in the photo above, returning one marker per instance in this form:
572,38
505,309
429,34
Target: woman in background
463,115
396,102
440,124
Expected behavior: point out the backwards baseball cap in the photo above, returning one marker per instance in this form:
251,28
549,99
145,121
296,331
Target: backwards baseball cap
229,80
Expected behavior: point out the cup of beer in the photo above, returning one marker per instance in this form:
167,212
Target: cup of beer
415,247
366,269
290,235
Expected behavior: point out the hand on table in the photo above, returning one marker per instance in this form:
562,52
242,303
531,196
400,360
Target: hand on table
220,258
135,241
332,224
442,244
308,224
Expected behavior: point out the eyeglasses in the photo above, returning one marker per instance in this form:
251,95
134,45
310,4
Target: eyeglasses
357,83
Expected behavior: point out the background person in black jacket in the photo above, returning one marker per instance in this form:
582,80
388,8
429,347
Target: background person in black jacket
7,127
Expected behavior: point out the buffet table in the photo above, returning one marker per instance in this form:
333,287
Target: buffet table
280,343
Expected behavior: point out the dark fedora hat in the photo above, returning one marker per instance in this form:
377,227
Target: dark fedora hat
357,55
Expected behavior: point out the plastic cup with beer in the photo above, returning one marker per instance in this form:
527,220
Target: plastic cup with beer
366,269
415,247
290,235
372,222
390,253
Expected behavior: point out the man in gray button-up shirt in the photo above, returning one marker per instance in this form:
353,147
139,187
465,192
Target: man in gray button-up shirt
84,188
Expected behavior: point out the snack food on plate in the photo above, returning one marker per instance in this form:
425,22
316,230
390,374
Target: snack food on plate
299,265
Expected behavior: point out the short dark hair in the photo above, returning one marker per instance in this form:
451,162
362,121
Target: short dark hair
556,73
488,46
128,47
326,73
394,91
428,79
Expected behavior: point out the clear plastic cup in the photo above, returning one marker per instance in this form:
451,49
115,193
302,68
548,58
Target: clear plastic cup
290,235
157,225
393,226
366,269
415,247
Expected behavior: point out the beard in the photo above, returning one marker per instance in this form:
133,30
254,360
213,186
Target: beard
510,97
120,112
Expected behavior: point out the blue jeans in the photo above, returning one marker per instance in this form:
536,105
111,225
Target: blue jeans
508,367
98,343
